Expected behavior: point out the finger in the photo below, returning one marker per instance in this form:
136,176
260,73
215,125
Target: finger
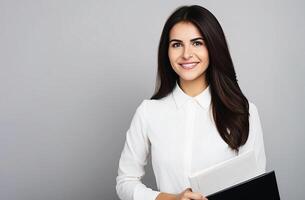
194,195
203,197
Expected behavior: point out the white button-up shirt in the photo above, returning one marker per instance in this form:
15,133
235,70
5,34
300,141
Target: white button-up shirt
179,132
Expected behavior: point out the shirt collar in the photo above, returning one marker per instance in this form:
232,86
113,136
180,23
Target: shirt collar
180,97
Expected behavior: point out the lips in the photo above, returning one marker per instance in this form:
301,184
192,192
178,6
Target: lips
189,65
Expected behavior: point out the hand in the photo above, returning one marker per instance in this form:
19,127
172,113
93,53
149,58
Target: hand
187,194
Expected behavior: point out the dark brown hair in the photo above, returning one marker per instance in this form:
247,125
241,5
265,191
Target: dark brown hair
229,106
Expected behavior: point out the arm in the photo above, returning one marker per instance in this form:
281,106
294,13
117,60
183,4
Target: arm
255,139
131,165
133,159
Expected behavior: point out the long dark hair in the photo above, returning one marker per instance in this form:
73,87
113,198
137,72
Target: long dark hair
229,106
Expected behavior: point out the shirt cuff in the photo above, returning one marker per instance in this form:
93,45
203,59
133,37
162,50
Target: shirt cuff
142,192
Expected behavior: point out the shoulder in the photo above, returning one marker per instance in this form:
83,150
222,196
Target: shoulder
155,106
254,119
252,107
253,111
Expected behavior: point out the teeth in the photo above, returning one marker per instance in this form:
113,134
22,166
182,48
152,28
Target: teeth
188,65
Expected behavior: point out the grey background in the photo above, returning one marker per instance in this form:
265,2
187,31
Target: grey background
73,73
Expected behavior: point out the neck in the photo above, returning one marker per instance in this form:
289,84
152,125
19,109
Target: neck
193,87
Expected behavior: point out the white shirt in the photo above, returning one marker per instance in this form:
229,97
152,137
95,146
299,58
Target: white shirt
179,132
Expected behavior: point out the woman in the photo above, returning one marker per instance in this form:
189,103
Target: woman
198,116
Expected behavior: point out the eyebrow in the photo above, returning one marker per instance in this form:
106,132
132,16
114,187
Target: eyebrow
192,40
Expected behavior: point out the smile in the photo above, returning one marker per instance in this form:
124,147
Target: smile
188,65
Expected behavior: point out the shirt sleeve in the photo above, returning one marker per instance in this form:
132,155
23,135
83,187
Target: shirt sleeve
133,159
255,139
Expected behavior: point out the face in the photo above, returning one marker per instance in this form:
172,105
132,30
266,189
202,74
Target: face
187,52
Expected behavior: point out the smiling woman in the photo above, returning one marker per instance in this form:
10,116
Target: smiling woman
198,116
188,56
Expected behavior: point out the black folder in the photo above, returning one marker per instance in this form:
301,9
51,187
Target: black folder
261,187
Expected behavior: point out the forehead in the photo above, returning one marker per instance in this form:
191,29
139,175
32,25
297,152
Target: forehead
184,31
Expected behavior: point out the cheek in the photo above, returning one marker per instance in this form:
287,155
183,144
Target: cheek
170,57
173,55
206,52
203,55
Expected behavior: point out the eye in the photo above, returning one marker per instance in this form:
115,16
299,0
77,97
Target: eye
176,44
197,43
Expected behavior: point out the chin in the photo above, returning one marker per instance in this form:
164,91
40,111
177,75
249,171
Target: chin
188,78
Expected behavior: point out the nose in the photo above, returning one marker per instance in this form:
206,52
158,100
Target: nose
187,53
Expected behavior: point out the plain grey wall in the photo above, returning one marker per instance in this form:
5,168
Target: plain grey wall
73,72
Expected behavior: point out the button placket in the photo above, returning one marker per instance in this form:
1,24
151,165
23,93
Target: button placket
189,133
